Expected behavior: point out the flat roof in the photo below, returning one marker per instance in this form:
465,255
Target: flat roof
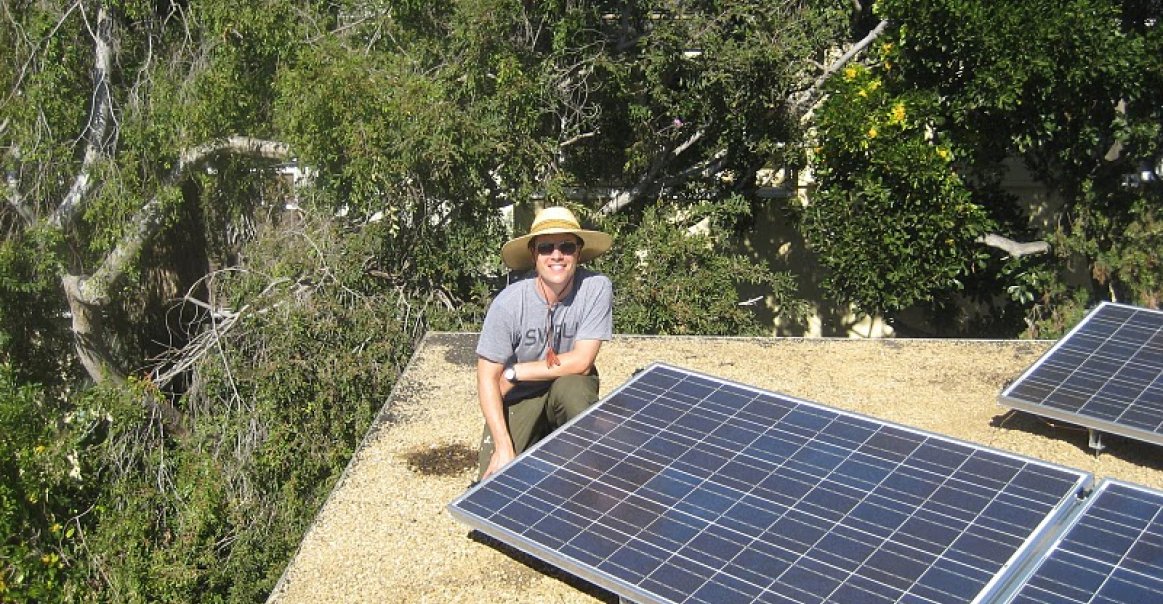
384,533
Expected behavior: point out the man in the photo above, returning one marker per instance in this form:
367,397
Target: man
536,352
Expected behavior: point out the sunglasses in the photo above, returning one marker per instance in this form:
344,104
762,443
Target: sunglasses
546,248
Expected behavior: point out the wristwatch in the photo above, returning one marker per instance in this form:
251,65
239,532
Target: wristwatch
510,374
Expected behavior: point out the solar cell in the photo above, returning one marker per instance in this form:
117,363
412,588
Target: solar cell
1105,375
679,487
1112,551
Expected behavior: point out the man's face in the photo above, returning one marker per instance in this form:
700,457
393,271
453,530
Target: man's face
555,266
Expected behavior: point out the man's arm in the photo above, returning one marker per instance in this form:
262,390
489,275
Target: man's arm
578,361
491,388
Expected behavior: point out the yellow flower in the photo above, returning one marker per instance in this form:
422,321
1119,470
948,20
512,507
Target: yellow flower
886,47
888,65
55,528
862,93
872,132
49,559
850,73
944,153
873,85
38,449
897,116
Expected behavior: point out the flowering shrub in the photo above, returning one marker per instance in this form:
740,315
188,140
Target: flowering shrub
892,221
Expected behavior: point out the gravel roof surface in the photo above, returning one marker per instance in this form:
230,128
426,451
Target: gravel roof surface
384,534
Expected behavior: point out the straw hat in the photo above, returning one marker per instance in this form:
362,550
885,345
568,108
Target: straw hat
551,221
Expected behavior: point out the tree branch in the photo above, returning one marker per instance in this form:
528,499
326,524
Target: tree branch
801,101
99,115
688,142
575,139
621,198
149,219
222,321
14,198
1014,248
235,145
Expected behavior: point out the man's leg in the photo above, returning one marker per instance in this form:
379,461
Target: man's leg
526,421
569,396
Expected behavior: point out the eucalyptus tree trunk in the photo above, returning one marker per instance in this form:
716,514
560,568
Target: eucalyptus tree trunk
90,290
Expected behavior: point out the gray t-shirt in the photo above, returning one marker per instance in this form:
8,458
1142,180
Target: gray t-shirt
517,323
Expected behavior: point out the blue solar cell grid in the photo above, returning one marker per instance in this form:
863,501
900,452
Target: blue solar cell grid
1113,552
683,488
1106,374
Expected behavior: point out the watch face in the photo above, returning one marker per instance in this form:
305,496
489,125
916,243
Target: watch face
510,374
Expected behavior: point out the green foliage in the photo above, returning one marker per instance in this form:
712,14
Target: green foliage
99,501
33,329
670,281
46,484
1073,91
892,221
40,60
375,128
709,84
27,562
282,400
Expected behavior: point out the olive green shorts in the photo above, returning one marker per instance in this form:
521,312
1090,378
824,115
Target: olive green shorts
533,418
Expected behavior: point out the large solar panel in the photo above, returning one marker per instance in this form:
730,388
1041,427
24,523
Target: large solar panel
1106,375
679,487
1112,552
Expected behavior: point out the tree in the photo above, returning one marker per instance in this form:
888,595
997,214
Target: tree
891,220
428,115
125,144
611,106
102,178
1070,89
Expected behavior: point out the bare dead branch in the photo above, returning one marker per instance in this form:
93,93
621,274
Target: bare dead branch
575,139
1014,248
222,321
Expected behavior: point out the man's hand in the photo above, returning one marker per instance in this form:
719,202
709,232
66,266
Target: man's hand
501,458
491,387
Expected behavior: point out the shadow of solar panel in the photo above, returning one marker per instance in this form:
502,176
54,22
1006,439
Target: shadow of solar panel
1112,551
1106,375
679,487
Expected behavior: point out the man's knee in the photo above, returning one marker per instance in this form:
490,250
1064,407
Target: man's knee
570,395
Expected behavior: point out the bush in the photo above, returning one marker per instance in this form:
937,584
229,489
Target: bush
46,485
668,280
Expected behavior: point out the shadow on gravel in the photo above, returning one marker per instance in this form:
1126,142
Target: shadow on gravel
542,567
1127,449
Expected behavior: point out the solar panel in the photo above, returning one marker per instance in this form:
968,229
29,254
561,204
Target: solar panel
1111,552
679,487
1106,375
